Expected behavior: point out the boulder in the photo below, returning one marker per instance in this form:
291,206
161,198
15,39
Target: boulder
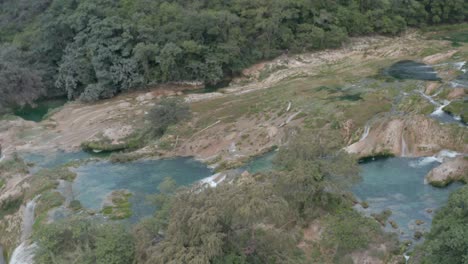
448,172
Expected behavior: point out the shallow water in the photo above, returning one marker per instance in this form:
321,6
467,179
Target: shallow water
41,109
408,69
53,159
398,184
97,179
262,163
393,183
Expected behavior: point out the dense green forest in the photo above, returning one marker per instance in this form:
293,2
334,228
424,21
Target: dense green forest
92,49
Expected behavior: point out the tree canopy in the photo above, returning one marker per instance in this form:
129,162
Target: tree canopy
447,241
93,49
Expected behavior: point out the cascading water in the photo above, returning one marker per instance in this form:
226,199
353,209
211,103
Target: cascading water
24,253
404,147
366,133
439,112
406,258
2,259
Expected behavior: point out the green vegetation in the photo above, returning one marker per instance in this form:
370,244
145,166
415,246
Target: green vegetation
10,205
47,179
79,240
458,108
75,205
347,231
92,49
383,216
257,219
455,33
119,206
446,242
48,200
168,112
13,166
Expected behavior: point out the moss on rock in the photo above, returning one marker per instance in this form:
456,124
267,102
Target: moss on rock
117,205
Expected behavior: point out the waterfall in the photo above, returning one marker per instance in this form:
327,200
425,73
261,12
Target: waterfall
404,147
2,259
66,190
406,258
429,98
459,65
24,253
439,111
28,218
366,133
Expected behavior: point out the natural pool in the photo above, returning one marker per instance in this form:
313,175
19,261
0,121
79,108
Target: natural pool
398,184
394,183
97,179
408,69
40,110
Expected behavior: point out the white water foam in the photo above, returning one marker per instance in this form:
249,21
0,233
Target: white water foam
404,147
459,65
366,133
213,180
439,158
406,258
24,253
421,162
448,154
429,98
439,111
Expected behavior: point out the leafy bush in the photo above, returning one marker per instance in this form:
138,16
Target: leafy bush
348,230
79,240
168,112
446,242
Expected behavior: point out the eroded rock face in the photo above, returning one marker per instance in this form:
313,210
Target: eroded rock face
457,93
449,171
411,136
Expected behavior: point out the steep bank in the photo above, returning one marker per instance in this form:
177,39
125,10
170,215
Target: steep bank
412,136
450,171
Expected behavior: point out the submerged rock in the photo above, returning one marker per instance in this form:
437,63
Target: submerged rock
393,224
418,235
117,205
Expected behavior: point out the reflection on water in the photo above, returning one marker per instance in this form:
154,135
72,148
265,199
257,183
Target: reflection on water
398,184
262,163
408,69
40,110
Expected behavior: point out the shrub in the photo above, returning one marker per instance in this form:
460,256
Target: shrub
168,112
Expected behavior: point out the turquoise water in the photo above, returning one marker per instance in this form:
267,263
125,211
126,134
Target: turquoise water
41,109
394,183
412,70
55,159
262,163
398,184
96,180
